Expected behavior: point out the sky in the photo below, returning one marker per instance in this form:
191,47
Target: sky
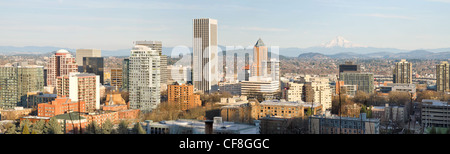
115,24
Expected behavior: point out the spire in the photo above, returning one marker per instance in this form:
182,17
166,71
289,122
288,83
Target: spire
259,43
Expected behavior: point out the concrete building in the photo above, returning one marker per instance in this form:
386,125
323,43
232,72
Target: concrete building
236,109
179,74
182,96
443,76
398,114
14,113
60,64
284,109
233,87
205,55
94,65
332,124
144,78
157,45
80,87
60,105
364,81
16,81
258,87
402,72
400,87
125,74
81,53
35,98
435,113
116,77
348,66
186,126
316,90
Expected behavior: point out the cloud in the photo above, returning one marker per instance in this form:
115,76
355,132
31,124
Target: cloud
389,16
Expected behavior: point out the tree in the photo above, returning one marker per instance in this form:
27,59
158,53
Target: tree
53,127
38,127
24,123
433,130
361,97
123,127
107,127
309,112
25,130
93,128
10,128
138,129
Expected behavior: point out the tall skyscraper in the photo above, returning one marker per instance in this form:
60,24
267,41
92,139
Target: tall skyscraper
80,87
205,61
94,65
60,64
16,81
259,57
81,53
116,77
144,78
125,74
402,72
443,76
247,67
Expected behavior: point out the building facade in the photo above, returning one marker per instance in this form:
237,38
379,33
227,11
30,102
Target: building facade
116,77
60,105
94,65
144,78
332,124
16,81
81,87
402,72
60,64
205,56
81,53
364,81
182,95
125,74
443,76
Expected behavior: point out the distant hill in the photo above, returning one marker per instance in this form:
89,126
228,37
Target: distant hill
312,55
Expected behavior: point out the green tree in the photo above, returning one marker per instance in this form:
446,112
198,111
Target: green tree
24,123
93,128
38,127
138,129
433,130
33,131
10,129
123,127
53,127
309,112
25,130
107,127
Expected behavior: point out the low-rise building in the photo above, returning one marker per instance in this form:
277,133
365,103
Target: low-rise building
187,126
332,124
59,106
435,113
14,113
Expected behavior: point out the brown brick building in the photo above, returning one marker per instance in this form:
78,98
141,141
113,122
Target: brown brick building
182,95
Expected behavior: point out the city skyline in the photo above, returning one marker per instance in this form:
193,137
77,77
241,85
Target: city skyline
113,25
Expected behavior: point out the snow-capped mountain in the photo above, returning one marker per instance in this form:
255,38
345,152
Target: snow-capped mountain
341,42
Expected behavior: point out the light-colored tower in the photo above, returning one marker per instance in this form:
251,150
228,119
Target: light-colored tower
60,64
157,45
144,78
259,57
80,87
402,72
205,69
81,53
442,76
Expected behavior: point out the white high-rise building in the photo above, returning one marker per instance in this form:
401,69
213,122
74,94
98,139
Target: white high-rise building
205,58
144,78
